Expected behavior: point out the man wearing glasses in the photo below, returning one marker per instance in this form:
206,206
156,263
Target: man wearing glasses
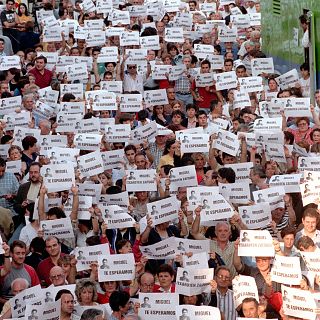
221,295
132,80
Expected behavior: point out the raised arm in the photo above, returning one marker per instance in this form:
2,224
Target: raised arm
195,230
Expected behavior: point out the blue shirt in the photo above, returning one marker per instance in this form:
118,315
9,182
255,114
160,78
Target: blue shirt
8,185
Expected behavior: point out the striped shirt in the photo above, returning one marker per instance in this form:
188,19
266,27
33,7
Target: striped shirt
225,304
280,226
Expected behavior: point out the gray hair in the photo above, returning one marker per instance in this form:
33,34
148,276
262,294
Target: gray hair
20,280
91,314
28,96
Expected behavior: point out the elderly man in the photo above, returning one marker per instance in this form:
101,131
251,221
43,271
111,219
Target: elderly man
58,276
18,285
144,284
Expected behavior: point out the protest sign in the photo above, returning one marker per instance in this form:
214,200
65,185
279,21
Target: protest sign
194,143
117,132
242,171
298,303
144,133
141,180
195,195
112,159
57,177
87,255
164,249
244,287
274,196
262,65
119,199
311,260
116,267
115,216
226,80
290,182
163,210
90,164
186,311
255,243
227,142
154,306
286,270
215,208
238,192
256,216
60,228
46,311
28,296
183,177
196,261
309,164
193,281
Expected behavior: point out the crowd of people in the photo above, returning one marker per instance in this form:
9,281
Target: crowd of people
153,163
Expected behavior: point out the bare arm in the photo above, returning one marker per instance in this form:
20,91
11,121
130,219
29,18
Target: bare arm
146,232
195,230
75,203
236,259
41,211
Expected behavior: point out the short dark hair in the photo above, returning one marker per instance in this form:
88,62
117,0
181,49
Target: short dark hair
205,62
56,211
166,268
17,243
202,112
118,299
41,58
61,292
304,19
228,174
28,141
2,162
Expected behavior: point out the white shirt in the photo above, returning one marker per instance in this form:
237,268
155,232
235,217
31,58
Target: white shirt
130,84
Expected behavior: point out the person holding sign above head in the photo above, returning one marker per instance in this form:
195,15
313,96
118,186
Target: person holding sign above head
261,272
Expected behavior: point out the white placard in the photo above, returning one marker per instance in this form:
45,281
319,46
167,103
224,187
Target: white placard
90,164
156,97
242,171
115,216
227,142
298,303
194,143
195,195
251,84
255,243
186,311
155,307
196,261
46,311
163,210
117,132
238,192
164,249
87,141
288,79
256,216
215,208
226,80
141,180
87,255
244,287
286,270
116,267
274,196
290,182
183,177
60,228
193,281
262,65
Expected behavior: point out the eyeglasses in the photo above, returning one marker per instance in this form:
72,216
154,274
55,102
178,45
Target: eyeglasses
132,67
147,285
57,276
223,278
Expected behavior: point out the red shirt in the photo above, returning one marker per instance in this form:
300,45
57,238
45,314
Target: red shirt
42,80
44,268
207,96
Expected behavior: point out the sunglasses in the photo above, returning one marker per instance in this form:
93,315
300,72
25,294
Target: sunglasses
132,67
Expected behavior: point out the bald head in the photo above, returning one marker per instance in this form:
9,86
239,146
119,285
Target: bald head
57,276
18,285
146,282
